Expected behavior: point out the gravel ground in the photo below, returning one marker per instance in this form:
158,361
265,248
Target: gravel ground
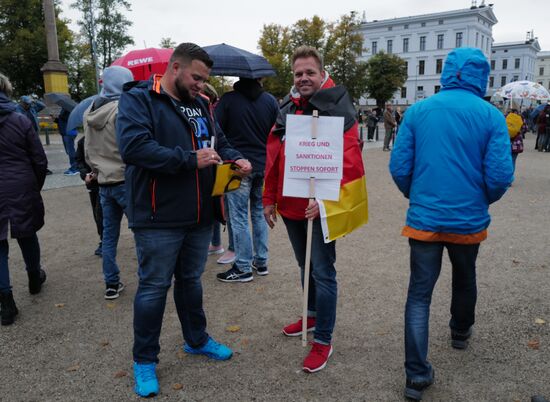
69,344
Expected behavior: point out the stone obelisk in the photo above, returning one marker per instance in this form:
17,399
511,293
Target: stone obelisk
55,72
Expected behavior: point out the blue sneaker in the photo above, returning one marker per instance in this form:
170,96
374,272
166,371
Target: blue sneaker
212,349
146,380
70,172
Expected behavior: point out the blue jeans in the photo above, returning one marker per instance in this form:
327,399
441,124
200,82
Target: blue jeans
30,248
250,189
323,289
68,144
162,254
425,268
216,230
113,205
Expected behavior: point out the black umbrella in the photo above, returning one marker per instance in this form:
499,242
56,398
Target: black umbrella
235,62
60,99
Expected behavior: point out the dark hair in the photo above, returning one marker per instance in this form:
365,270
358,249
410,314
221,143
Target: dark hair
187,52
304,51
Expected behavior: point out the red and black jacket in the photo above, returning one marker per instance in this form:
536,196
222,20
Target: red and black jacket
164,188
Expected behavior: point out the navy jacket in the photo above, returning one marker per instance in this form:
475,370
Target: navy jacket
164,188
23,167
246,116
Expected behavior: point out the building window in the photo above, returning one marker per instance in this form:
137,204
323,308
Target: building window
477,38
423,24
492,64
405,45
458,39
390,28
502,81
421,67
389,46
403,92
440,41
407,67
437,88
504,64
374,47
483,41
516,63
438,66
515,78
422,43
440,22
406,26
491,82
541,71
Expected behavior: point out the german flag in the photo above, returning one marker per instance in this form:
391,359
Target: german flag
351,211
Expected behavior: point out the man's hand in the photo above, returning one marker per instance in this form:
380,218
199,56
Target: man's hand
312,210
207,157
90,177
270,215
245,168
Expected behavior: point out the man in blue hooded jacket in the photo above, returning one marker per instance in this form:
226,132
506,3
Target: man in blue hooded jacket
451,160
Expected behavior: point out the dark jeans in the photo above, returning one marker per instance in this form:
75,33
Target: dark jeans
425,268
97,211
68,143
370,134
323,288
30,248
164,254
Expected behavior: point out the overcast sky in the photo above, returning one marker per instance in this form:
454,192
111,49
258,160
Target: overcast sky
239,22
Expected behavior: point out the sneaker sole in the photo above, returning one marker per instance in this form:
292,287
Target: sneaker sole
243,280
216,252
223,262
298,333
149,395
460,345
308,370
209,355
262,273
117,295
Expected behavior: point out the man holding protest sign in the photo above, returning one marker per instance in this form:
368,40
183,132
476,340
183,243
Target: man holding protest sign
313,93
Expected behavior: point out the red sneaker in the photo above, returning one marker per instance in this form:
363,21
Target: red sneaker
295,329
317,358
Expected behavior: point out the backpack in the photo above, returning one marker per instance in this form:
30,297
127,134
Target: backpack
514,123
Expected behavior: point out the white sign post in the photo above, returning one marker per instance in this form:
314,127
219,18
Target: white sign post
313,168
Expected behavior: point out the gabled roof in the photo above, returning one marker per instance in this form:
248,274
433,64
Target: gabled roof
485,11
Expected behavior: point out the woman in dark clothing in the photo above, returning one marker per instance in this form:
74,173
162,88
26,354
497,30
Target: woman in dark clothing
93,190
23,167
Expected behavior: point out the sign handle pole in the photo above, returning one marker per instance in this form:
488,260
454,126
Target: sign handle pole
308,238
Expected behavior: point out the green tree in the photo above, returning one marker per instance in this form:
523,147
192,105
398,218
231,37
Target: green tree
221,84
343,48
275,45
339,42
23,49
82,80
167,43
104,26
310,33
386,74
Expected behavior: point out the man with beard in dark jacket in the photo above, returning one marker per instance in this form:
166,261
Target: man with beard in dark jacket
246,116
165,132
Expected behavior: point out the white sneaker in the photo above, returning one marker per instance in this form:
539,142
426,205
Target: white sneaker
227,258
215,250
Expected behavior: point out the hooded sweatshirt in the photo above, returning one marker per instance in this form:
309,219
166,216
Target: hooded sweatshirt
246,116
452,155
101,148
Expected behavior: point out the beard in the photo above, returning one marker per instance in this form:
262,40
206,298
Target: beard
183,93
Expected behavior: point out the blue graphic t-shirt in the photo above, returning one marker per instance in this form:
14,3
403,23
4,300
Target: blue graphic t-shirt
194,113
